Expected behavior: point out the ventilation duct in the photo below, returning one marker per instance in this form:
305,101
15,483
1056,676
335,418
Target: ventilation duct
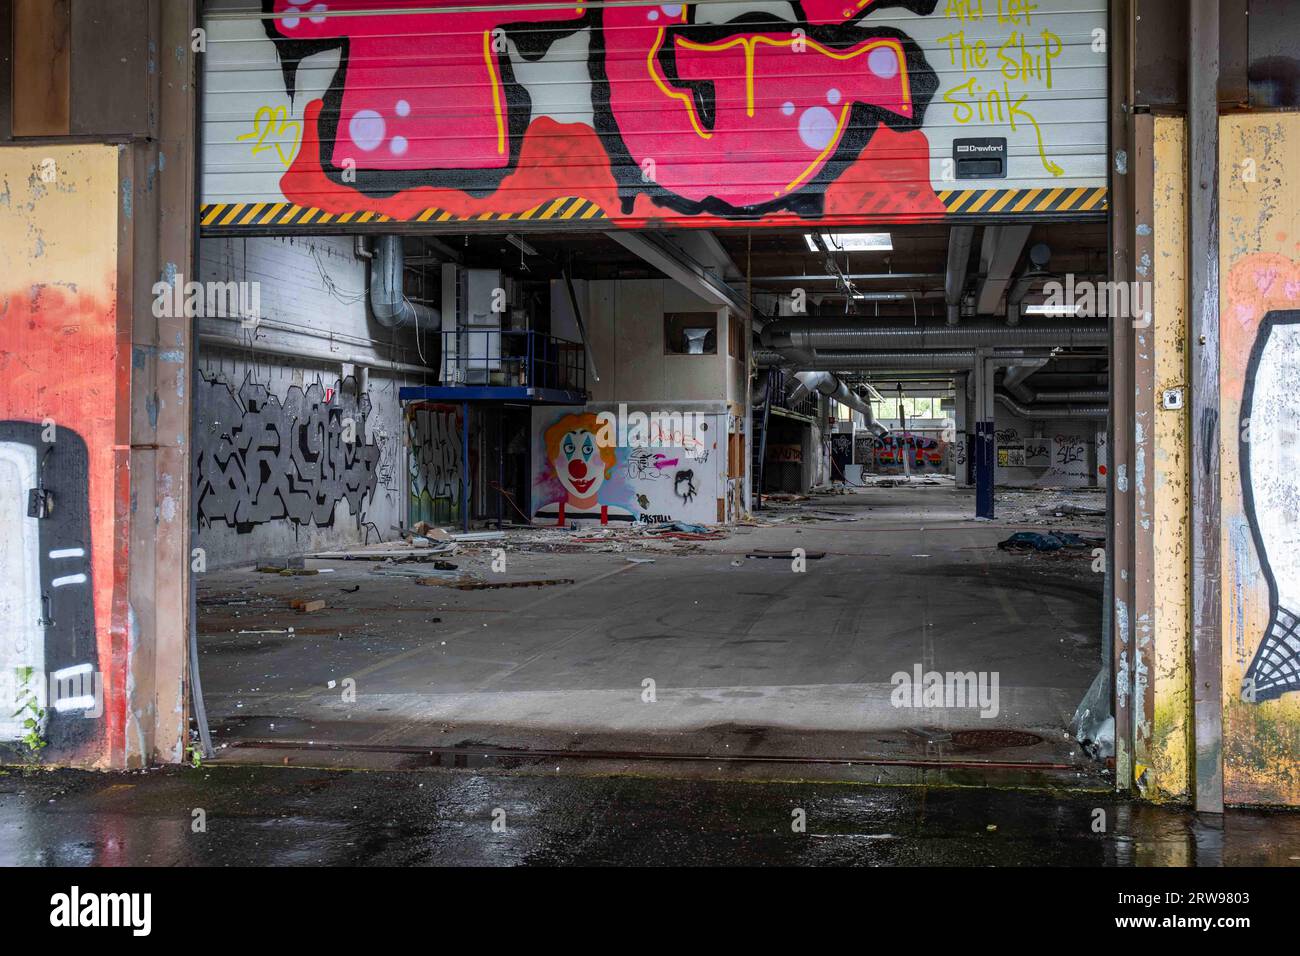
1013,380
949,361
1049,412
1075,395
388,301
832,387
1014,384
832,334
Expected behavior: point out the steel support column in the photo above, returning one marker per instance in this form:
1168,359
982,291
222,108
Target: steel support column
464,465
1117,639
1203,227
985,443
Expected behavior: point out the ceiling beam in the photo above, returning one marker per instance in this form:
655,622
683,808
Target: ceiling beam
669,258
998,257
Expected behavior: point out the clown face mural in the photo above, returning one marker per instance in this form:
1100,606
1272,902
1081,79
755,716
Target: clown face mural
580,464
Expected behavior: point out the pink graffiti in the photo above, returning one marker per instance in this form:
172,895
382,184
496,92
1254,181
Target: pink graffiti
781,104
424,91
661,462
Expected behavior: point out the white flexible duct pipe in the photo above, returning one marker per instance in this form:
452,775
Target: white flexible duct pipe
387,299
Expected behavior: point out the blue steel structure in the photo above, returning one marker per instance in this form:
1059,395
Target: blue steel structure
500,367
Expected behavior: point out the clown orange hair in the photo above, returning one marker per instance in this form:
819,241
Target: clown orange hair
586,422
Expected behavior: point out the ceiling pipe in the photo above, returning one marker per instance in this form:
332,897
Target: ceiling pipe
1014,379
388,301
960,240
1074,395
832,387
893,362
1049,412
821,333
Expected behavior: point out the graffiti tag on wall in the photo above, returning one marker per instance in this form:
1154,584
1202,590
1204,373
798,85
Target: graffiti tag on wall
677,103
262,458
433,442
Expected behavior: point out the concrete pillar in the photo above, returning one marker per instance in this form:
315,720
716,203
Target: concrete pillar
985,444
961,433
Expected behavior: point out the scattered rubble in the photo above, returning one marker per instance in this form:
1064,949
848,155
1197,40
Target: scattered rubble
494,585
1048,541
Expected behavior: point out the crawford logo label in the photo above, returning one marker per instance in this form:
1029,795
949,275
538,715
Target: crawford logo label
76,909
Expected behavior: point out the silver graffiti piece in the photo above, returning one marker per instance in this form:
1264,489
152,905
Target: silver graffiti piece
1270,480
269,459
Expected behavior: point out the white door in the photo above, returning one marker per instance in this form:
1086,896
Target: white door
22,641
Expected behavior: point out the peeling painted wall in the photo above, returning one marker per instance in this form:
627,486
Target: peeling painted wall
63,429
1167,747
1259,172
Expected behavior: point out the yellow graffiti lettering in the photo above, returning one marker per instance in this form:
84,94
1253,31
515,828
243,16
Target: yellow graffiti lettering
966,55
1012,11
1015,110
968,10
273,123
1025,64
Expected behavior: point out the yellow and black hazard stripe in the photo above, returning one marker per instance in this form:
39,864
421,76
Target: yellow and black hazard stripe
263,214
1011,202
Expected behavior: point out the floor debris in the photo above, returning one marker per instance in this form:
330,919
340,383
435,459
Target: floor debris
493,585
1043,541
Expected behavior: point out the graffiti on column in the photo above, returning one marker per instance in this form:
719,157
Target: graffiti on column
433,439
439,102
1270,484
262,458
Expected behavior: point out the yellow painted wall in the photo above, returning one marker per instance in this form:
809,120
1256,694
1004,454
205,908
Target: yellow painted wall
1169,772
64,361
1259,173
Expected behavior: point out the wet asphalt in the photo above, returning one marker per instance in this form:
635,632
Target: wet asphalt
287,816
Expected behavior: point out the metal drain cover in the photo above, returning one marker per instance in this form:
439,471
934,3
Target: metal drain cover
994,739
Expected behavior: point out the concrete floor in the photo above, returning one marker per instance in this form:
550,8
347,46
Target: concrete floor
276,816
749,659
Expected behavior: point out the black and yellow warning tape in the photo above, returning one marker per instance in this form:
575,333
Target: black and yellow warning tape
1007,202
260,214
960,202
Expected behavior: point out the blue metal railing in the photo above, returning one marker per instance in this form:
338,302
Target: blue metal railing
511,358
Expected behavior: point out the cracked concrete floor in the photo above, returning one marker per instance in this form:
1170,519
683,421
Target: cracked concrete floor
748,657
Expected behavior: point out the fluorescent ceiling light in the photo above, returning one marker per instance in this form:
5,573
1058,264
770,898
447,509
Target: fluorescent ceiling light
1054,310
853,241
519,244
